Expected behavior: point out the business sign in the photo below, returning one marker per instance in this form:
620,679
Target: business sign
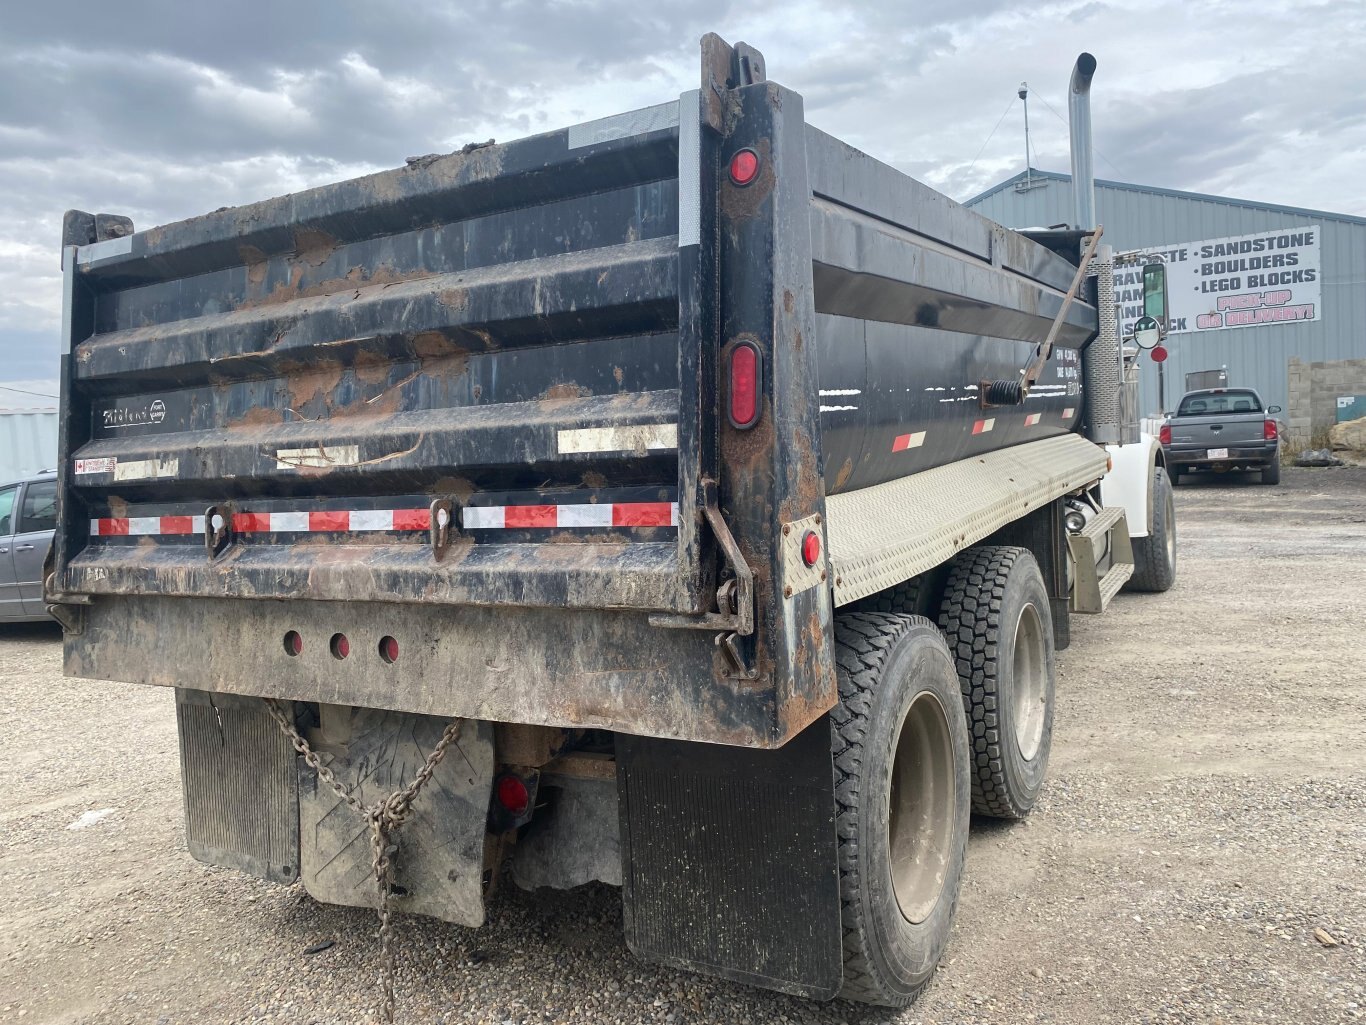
1271,277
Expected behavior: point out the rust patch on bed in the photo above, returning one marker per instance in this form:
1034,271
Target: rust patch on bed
565,390
454,298
259,416
255,261
313,246
842,477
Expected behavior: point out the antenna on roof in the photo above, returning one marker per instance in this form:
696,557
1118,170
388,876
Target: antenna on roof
1029,182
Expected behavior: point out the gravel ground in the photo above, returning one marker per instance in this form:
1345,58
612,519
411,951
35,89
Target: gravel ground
1205,822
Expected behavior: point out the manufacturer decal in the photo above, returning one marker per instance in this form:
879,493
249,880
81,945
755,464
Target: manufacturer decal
133,415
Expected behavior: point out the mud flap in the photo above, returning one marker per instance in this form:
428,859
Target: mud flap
730,862
439,865
241,797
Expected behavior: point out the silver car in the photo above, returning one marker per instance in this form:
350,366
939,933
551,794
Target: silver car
28,517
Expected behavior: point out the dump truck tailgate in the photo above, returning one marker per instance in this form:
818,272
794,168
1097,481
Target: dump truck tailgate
470,408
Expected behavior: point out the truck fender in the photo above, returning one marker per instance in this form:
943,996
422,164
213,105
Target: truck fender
1129,483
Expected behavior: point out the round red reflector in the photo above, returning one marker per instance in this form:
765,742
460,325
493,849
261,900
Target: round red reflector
294,644
1159,354
512,795
388,649
340,646
811,548
744,167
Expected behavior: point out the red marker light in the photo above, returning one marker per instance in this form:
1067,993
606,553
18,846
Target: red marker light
340,646
744,167
811,548
1159,354
512,794
1269,430
388,650
745,367
294,644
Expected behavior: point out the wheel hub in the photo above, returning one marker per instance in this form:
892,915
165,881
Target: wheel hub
1029,682
921,817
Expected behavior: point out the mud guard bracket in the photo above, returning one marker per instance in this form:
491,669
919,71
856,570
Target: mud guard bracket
729,860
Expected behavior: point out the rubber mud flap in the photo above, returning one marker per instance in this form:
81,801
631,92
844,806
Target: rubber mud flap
439,864
729,860
241,797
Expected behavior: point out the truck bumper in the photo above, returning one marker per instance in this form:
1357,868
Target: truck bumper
1243,457
569,668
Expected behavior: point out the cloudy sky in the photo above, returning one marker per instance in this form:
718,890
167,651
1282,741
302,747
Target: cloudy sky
164,110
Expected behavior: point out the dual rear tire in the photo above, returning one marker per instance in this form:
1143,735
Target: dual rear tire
997,619
902,798
934,721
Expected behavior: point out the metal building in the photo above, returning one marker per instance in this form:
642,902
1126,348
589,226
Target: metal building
1242,297
28,442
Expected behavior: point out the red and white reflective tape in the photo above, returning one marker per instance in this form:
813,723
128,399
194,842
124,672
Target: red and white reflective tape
140,526
605,514
331,521
914,440
350,521
339,520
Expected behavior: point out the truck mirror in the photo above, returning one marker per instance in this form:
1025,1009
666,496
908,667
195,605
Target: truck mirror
1155,294
1147,333
1273,409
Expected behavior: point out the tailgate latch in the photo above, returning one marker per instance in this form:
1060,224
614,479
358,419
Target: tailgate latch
217,530
734,618
441,524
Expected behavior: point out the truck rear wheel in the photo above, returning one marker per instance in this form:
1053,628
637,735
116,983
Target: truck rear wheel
904,599
1271,473
902,802
1155,555
996,617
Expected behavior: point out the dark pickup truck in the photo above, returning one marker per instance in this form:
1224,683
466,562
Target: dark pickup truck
1223,429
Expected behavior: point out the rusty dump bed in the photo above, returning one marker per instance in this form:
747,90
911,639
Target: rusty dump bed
474,410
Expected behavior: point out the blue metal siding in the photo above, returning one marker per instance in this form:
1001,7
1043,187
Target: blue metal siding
1136,218
28,443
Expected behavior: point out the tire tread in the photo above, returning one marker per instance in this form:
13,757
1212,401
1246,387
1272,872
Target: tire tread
970,617
863,642
1153,574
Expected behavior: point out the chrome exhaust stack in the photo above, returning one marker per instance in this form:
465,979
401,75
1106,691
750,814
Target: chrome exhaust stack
1079,119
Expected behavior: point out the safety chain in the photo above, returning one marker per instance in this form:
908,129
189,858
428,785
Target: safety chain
384,819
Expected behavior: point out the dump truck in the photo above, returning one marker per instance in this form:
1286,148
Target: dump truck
684,500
